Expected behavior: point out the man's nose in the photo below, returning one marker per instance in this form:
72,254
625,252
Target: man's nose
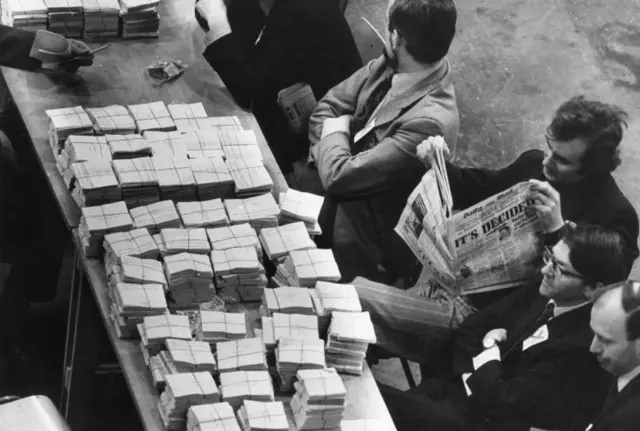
595,346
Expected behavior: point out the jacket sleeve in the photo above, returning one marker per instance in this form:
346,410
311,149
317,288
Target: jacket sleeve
15,46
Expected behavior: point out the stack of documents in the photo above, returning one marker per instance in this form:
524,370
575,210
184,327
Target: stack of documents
190,279
287,300
158,371
203,144
183,111
349,337
112,120
250,176
138,271
156,217
95,183
300,206
364,425
138,181
155,330
135,243
152,116
100,220
128,146
132,302
259,211
212,417
262,416
268,339
183,391
215,326
101,20
175,179
24,14
81,148
213,179
295,326
179,240
167,144
140,18
212,124
67,121
239,273
237,387
296,354
207,214
240,144
320,400
245,354
190,356
329,297
240,235
66,17
306,267
279,241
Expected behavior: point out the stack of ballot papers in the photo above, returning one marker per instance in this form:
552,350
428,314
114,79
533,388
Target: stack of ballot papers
182,391
175,179
132,302
259,211
240,235
152,116
203,144
213,180
261,416
66,17
212,417
190,356
183,111
65,122
155,330
158,371
268,339
245,354
100,220
250,176
140,18
364,425
138,271
287,300
81,148
167,144
320,400
190,279
239,273
135,243
329,297
112,120
237,387
349,337
240,144
207,214
24,14
211,124
128,146
306,267
279,241
94,183
295,326
300,206
179,240
155,217
101,19
296,354
215,326
138,181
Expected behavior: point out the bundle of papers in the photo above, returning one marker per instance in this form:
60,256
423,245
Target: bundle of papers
213,180
155,217
295,326
306,267
114,119
240,235
259,211
268,338
140,18
179,240
95,183
203,144
175,179
295,354
237,387
167,144
300,206
132,302
151,116
245,354
26,15
240,144
67,121
364,425
212,417
139,271
128,146
287,300
319,401
81,148
101,19
66,17
190,279
279,241
239,273
183,391
207,214
98,221
215,326
212,124
134,243
156,329
349,337
259,416
250,176
190,356
138,181
158,371
329,297
182,111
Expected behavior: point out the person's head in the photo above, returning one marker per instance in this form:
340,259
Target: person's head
582,262
420,30
583,140
615,321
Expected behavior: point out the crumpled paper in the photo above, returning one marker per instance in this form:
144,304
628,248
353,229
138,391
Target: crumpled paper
165,70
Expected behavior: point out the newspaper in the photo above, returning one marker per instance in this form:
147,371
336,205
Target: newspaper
492,245
297,103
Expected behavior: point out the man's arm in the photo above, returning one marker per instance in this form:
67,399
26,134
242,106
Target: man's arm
15,46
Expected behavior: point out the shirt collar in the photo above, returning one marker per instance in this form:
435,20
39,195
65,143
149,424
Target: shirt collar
401,82
625,379
561,310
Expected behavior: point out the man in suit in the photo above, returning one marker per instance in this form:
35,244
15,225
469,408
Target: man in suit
365,131
615,321
524,361
260,47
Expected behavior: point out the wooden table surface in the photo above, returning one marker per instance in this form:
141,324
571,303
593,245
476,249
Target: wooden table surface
118,77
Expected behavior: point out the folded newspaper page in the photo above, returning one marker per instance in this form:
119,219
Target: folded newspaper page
297,103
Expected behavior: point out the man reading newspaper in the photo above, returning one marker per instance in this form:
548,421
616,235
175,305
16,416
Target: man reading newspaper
571,182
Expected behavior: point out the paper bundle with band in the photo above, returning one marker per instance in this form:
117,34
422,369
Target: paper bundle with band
81,148
67,121
66,17
239,386
329,297
112,120
240,235
132,302
263,416
183,391
268,339
158,371
128,146
206,214
138,181
216,326
240,144
179,240
287,300
245,354
210,124
135,243
213,180
95,183
320,400
175,179
101,19
250,176
364,425
306,267
156,217
212,417
349,337
296,354
259,211
140,18
25,14
239,273
170,145
203,144
295,326
184,111
98,221
279,241
155,330
300,206
151,116
190,356
138,271
190,279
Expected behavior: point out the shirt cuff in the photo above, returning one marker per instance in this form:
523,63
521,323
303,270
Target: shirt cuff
336,125
217,30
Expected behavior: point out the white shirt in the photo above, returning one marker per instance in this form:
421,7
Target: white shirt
626,378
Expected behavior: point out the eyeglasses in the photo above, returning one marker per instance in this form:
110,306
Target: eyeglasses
548,257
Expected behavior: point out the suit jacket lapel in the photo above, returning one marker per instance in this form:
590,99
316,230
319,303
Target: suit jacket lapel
523,327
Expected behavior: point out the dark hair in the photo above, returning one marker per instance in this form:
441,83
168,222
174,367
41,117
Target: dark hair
599,124
427,27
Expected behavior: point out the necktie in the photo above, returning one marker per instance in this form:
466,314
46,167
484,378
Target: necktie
360,120
547,314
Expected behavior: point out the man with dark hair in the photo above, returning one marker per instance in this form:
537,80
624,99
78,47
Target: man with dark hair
524,362
365,131
615,321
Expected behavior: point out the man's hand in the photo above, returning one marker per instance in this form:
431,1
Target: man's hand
55,50
493,337
547,205
81,55
429,146
211,14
